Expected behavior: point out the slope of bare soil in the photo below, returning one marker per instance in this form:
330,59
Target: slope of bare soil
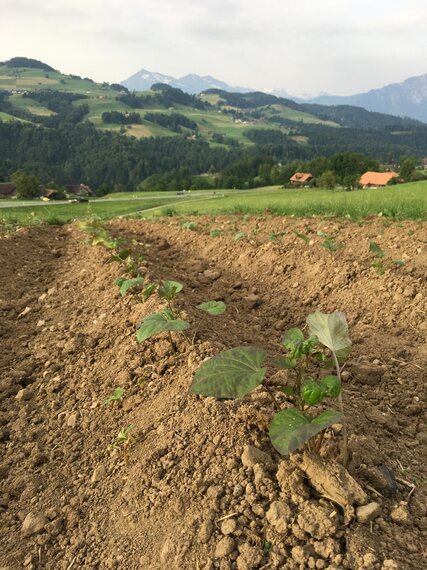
204,488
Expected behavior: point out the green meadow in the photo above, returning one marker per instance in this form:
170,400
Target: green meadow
405,201
402,202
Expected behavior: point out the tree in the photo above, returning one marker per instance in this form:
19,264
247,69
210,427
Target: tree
27,185
407,169
327,180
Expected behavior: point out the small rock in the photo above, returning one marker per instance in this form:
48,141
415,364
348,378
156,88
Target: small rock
205,532
390,564
400,514
40,323
252,455
224,547
212,274
24,312
72,420
367,373
25,394
98,474
33,523
317,521
252,301
250,557
228,526
279,515
369,560
42,297
164,244
368,512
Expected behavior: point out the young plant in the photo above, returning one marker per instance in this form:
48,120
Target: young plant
170,319
116,396
236,372
124,439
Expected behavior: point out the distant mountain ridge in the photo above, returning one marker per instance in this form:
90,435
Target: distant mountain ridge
406,99
191,83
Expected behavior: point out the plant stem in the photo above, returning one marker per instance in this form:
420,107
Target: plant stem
272,396
171,341
344,450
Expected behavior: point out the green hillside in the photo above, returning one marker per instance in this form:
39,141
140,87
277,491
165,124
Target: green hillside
216,123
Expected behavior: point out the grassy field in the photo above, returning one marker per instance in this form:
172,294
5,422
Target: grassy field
406,201
64,213
36,79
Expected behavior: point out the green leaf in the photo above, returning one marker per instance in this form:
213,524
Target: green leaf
216,232
129,283
283,362
398,262
379,267
120,280
375,248
189,225
293,338
232,374
168,289
331,329
159,322
312,392
302,236
332,385
121,256
239,235
331,245
149,290
290,428
213,307
116,395
288,390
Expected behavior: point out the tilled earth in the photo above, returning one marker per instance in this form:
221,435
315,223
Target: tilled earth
203,487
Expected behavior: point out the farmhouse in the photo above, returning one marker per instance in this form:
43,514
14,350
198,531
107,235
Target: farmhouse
376,179
300,178
78,190
7,190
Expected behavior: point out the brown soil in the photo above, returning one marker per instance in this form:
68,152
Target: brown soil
194,496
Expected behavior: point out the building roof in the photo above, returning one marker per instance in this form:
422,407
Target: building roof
7,189
301,177
377,178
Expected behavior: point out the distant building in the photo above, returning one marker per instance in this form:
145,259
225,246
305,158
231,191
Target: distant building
376,179
52,194
78,190
7,190
300,178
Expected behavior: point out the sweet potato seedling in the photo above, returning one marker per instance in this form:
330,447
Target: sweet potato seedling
116,396
170,318
236,372
124,439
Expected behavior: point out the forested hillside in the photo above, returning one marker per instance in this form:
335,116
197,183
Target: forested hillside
70,129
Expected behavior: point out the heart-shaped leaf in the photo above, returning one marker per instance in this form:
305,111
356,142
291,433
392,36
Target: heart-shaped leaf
331,329
293,338
168,289
332,385
162,321
290,428
232,374
129,283
213,307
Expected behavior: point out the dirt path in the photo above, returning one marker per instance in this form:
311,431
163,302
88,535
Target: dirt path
68,340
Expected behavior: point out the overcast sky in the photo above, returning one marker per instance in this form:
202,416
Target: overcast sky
304,46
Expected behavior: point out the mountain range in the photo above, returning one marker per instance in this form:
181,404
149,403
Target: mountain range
406,99
192,83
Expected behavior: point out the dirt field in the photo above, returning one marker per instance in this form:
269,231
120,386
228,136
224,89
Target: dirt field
194,495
